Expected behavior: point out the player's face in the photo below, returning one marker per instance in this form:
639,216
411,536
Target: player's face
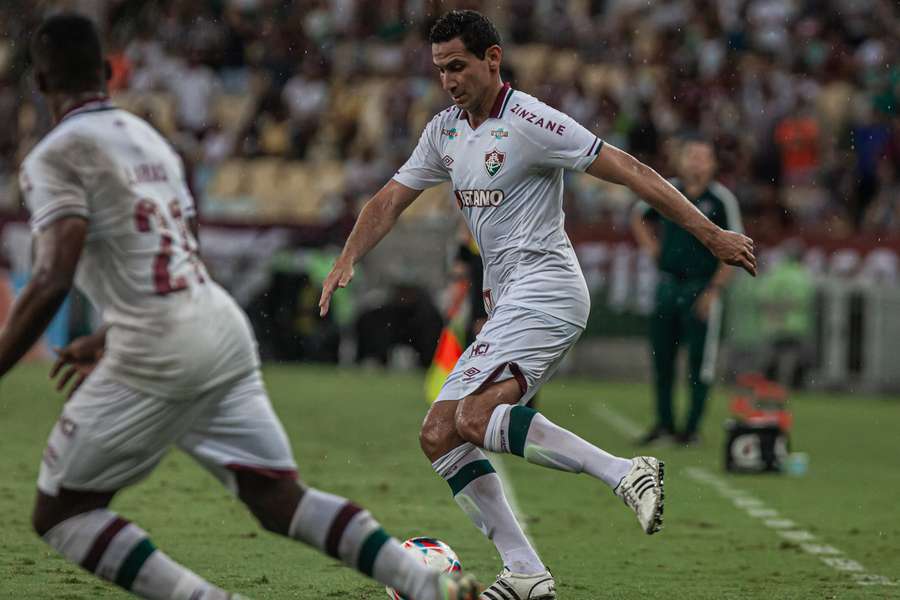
698,162
463,75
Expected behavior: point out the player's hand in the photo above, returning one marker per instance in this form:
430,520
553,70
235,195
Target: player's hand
77,360
341,274
734,249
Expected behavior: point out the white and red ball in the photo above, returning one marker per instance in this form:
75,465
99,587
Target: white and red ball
433,553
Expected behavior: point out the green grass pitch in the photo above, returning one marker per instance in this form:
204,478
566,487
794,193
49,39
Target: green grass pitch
354,433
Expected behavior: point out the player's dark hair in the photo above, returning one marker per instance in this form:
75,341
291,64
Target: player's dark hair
474,29
67,53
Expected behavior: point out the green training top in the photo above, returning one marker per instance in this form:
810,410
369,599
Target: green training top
680,253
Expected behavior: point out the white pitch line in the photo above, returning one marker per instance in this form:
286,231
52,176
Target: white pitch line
618,421
789,530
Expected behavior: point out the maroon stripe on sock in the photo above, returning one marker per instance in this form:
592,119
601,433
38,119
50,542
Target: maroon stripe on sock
100,545
268,472
336,531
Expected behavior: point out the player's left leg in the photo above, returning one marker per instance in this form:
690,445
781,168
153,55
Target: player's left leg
242,442
488,422
703,343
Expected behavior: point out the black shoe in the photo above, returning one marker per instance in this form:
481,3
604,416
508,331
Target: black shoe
688,440
658,436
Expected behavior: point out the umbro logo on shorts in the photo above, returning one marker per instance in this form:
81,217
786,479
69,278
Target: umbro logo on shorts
471,372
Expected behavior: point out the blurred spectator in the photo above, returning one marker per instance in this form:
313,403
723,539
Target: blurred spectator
196,87
800,97
883,214
306,96
786,293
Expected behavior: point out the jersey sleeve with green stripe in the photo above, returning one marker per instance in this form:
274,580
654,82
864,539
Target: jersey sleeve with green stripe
681,254
507,179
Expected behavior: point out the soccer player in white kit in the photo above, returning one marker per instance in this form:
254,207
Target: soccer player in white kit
176,362
504,153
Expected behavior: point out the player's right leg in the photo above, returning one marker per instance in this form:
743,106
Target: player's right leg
478,490
241,441
108,437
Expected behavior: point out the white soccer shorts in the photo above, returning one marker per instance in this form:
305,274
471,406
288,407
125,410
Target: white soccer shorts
110,436
515,343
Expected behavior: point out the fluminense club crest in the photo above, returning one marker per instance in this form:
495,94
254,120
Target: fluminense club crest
493,161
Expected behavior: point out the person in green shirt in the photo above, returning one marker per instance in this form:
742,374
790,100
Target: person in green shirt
688,307
785,295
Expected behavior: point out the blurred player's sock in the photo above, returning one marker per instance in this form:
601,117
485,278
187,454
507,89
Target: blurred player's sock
119,551
527,433
478,491
350,534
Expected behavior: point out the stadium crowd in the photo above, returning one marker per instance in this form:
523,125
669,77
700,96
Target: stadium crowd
800,96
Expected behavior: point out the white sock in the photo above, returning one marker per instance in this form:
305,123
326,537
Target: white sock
119,551
525,432
478,491
345,531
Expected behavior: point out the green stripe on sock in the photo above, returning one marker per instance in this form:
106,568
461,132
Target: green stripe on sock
519,421
132,564
370,549
469,473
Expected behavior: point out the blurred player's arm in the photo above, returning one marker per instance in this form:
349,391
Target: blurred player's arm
377,218
57,251
619,167
643,232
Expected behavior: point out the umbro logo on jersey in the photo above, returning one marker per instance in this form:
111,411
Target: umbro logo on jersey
493,161
479,198
447,160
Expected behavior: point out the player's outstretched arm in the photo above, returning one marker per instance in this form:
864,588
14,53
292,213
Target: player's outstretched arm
377,218
57,251
617,166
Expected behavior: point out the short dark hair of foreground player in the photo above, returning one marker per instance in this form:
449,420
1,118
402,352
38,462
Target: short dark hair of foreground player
474,29
67,55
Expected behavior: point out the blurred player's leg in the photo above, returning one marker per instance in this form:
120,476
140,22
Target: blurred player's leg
80,527
241,441
476,488
108,437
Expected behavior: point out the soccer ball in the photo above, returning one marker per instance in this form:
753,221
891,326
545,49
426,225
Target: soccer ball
433,553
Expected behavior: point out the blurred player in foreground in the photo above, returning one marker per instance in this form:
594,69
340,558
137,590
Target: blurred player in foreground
504,153
176,361
688,296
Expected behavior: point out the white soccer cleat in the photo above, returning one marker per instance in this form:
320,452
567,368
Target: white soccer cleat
642,491
514,586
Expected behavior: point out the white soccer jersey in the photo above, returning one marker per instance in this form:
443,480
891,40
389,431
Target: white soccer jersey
507,177
173,332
